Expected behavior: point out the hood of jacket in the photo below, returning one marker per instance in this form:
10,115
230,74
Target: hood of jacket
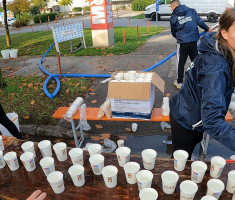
181,10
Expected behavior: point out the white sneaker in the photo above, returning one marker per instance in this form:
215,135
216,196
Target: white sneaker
177,85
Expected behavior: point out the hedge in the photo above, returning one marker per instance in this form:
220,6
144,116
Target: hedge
140,5
44,17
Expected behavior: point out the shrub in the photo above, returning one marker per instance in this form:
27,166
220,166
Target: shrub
77,9
139,5
86,8
61,15
20,22
44,17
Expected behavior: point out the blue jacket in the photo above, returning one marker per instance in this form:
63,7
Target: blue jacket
184,24
206,94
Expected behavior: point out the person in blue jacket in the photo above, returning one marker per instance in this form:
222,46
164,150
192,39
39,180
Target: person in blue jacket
184,27
204,98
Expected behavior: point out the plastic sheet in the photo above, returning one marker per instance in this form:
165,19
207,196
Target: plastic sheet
83,121
164,125
109,146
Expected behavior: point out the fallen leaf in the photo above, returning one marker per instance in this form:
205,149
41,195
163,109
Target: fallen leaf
92,93
26,136
58,140
36,88
128,130
77,84
72,143
122,137
104,135
98,126
168,94
95,138
83,87
32,102
67,91
26,117
91,89
30,85
94,101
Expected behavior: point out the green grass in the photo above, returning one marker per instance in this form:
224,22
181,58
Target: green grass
26,97
37,43
140,16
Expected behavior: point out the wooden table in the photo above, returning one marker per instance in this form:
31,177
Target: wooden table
20,184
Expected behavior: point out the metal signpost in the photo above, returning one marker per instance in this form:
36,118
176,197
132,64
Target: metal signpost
157,9
65,33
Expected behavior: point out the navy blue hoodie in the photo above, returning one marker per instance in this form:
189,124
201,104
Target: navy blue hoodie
184,24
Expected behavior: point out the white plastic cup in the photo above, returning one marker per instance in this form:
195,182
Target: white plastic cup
231,182
217,165
148,194
131,169
77,174
94,149
188,190
76,155
47,165
180,159
27,159
56,181
169,181
198,170
215,187
45,148
134,127
5,53
123,155
110,176
2,161
120,143
208,197
11,160
13,53
97,163
60,151
149,157
144,179
28,147
1,144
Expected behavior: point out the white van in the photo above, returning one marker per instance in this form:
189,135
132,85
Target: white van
211,9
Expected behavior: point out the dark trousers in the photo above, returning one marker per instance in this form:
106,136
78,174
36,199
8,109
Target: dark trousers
8,124
183,51
183,139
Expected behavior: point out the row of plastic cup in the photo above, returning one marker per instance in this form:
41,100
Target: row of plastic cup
9,53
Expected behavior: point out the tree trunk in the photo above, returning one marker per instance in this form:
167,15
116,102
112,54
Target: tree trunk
2,81
8,38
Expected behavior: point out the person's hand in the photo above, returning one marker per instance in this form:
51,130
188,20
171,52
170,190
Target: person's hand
210,29
37,195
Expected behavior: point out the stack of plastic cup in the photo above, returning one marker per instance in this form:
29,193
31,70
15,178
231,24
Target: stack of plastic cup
215,187
144,179
120,143
110,176
1,144
76,155
28,147
94,149
2,161
47,165
123,155
149,157
45,148
148,194
217,166
134,127
56,181
131,169
61,151
188,189
11,160
131,75
208,197
231,182
77,174
97,163
169,181
198,169
180,159
27,159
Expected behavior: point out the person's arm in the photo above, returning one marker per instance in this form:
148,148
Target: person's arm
37,195
173,32
201,23
213,107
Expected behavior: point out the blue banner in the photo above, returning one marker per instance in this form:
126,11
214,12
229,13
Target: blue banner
157,5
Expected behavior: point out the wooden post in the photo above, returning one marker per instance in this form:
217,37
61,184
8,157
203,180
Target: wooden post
48,19
124,36
56,18
40,20
138,35
32,27
129,23
148,27
59,64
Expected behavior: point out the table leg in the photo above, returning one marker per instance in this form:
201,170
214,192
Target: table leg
74,133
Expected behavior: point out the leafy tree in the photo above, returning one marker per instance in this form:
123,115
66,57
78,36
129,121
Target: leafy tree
40,3
34,10
18,6
65,3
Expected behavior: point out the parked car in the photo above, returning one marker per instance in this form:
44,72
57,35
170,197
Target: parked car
211,9
10,20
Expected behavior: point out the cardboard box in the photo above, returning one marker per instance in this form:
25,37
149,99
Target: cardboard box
130,99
